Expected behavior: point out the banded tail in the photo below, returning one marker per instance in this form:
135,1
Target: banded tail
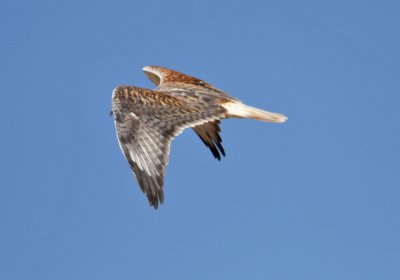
239,110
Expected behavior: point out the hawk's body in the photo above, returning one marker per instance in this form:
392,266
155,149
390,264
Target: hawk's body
147,121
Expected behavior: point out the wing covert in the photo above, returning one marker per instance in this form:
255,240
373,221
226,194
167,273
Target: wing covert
166,79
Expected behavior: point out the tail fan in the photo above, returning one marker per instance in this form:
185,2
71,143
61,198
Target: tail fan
239,110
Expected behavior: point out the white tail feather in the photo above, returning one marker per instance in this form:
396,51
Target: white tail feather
240,110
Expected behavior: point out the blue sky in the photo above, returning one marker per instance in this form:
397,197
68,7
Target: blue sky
315,198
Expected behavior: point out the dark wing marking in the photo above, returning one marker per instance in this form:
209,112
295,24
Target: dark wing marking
146,123
209,134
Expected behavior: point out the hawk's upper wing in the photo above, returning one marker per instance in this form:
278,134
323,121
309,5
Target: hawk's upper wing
183,85
146,123
165,78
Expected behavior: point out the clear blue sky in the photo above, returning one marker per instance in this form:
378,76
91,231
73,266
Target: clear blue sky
315,198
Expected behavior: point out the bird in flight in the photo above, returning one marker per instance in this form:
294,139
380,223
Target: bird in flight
147,121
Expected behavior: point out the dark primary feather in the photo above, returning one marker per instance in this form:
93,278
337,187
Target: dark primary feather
209,134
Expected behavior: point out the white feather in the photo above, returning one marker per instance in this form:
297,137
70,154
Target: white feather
236,109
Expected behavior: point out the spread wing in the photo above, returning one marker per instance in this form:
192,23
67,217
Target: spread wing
146,122
147,152
189,87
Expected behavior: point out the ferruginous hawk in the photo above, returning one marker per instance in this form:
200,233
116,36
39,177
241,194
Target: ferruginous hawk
148,120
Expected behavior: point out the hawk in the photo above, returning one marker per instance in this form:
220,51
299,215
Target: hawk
147,121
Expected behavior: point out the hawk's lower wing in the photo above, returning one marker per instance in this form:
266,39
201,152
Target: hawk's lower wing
209,134
147,152
145,132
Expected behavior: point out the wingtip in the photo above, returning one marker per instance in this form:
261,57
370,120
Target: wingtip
151,68
146,68
154,74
